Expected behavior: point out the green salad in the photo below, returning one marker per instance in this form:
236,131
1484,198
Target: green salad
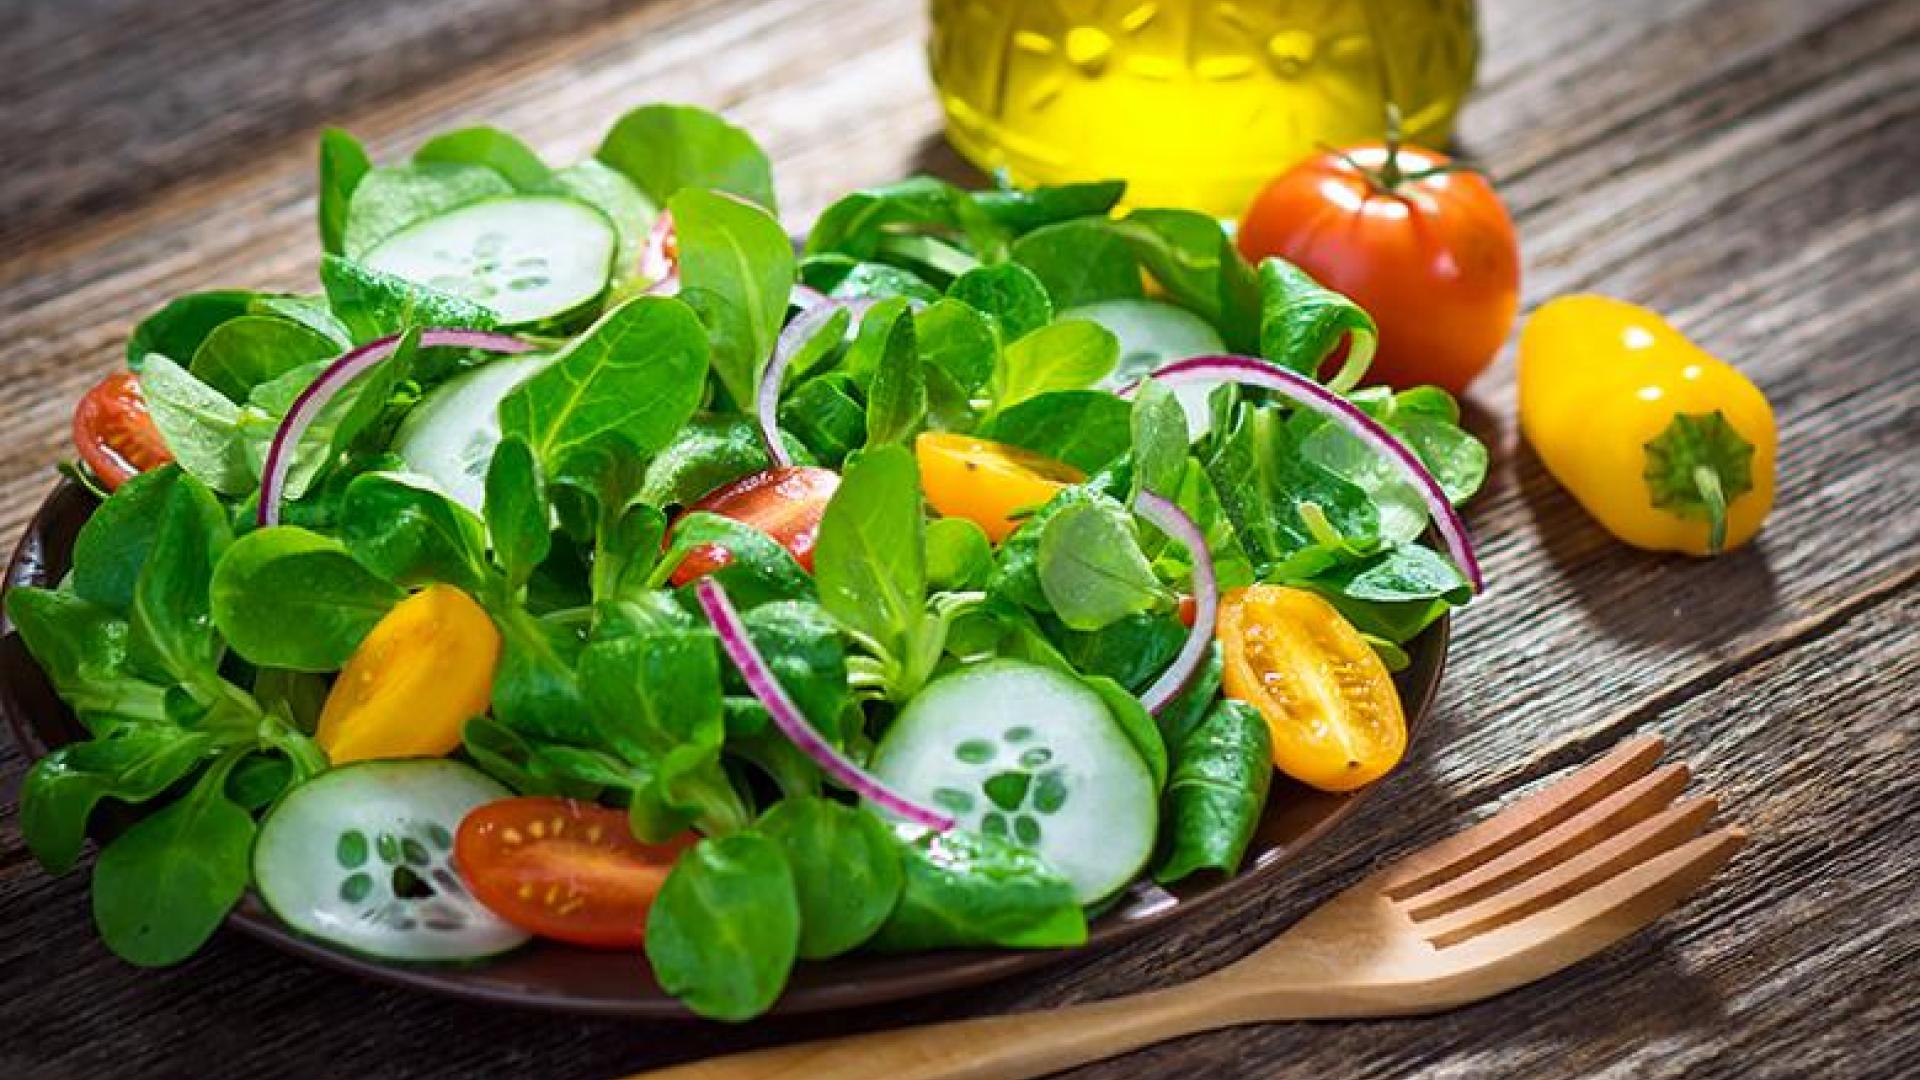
587,560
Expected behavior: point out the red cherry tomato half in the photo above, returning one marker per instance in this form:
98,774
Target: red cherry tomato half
562,869
1429,253
113,432
785,503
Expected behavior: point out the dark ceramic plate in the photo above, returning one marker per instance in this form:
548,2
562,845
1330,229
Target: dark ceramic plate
551,976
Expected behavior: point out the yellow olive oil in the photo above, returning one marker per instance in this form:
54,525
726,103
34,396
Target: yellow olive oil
1193,102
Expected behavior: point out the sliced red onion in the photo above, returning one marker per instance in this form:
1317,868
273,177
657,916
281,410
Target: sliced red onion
793,723
337,376
1303,391
806,296
785,348
797,333
1173,521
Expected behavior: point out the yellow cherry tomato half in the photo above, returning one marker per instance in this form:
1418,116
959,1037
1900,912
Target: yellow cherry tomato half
419,676
990,484
1328,701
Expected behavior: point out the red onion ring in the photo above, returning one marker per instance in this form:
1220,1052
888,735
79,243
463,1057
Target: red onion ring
1303,391
806,296
1173,521
810,321
767,399
792,722
350,366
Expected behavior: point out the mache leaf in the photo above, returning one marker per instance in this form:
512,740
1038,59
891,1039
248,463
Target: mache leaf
846,867
638,371
494,149
723,933
666,148
286,597
1222,771
162,888
736,271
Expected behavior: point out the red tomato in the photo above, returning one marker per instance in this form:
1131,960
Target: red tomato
566,870
785,503
1188,611
113,432
1430,253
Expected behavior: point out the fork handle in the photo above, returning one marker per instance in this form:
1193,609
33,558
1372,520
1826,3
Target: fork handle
991,1047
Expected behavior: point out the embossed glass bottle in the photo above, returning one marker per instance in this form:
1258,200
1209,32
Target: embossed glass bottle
1195,102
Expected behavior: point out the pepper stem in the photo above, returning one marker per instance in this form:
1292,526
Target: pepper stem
1696,468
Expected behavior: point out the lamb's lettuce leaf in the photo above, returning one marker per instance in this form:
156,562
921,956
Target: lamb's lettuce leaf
665,149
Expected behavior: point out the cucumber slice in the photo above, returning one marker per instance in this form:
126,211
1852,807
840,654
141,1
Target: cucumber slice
1153,334
529,258
361,857
450,436
1019,751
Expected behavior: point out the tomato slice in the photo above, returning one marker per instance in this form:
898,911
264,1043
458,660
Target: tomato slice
562,869
1327,698
1188,610
786,503
991,484
114,433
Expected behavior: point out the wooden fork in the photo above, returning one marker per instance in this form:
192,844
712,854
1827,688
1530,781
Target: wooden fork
1544,884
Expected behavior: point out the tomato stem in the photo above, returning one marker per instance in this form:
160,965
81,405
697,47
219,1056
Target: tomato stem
1390,179
1390,176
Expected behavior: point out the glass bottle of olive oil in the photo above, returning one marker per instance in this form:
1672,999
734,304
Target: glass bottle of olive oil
1194,102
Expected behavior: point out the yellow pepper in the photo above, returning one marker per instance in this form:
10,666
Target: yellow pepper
1667,447
421,673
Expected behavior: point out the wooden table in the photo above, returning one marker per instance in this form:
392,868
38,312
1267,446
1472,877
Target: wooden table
1748,166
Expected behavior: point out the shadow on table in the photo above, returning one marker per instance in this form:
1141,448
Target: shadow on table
1566,1008
1639,595
935,156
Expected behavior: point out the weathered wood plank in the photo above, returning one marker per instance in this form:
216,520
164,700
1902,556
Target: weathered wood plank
1745,165
119,100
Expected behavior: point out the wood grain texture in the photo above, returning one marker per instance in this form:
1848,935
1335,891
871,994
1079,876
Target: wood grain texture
1747,166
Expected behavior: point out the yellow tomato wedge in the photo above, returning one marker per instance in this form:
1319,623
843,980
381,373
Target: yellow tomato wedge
990,484
1327,699
420,675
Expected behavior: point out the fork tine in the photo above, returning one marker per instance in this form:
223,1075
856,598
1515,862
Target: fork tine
1668,829
1575,929
1629,806
1524,820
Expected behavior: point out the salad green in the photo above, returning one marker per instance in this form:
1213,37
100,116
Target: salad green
544,387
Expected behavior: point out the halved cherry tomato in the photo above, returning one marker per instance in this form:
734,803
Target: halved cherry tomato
1327,699
1427,249
566,870
424,670
785,503
114,433
1188,610
990,484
